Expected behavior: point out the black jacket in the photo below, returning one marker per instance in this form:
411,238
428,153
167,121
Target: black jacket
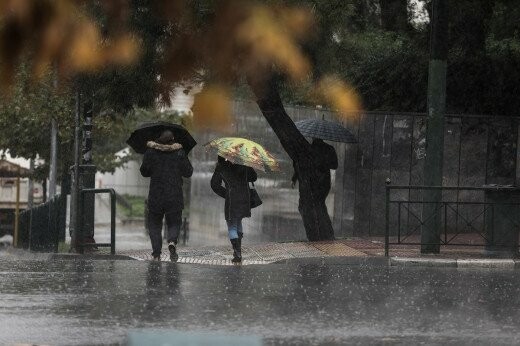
236,179
325,159
165,165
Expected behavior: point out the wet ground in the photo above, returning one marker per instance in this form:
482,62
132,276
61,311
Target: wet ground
303,301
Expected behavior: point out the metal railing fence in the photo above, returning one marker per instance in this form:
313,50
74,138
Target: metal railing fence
82,245
43,226
463,223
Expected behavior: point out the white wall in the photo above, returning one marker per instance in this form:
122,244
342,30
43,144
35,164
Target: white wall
126,180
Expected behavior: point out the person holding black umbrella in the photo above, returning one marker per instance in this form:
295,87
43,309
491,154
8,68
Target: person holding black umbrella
325,159
323,154
166,163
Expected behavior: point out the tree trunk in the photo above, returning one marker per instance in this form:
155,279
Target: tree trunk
314,212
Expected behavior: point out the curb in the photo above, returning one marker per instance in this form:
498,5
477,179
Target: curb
89,257
487,263
336,260
22,254
422,262
455,263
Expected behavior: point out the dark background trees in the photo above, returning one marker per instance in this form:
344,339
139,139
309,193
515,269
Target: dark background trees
312,52
384,53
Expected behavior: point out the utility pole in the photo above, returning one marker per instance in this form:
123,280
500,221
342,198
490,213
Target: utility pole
433,166
74,193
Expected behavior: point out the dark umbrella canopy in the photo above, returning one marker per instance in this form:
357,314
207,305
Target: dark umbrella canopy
326,130
152,130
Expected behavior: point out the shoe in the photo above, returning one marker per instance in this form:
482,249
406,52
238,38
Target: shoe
157,258
173,251
237,252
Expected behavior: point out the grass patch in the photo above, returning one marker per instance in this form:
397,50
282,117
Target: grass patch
133,207
63,247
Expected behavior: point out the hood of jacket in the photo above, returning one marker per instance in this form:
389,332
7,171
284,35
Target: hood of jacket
164,147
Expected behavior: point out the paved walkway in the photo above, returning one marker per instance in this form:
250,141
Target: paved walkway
264,253
352,247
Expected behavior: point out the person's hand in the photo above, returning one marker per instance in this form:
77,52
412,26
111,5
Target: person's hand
292,184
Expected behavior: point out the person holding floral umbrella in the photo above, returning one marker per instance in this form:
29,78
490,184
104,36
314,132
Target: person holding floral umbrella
234,171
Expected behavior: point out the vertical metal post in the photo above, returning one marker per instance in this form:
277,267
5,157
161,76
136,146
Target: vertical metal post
433,166
492,224
54,158
87,178
446,221
412,142
87,133
517,166
112,222
387,216
53,169
81,236
399,222
17,212
75,240
30,193
458,175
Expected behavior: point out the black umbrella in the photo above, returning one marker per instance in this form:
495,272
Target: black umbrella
327,130
150,131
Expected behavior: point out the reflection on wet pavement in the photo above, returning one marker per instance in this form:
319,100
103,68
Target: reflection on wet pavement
98,302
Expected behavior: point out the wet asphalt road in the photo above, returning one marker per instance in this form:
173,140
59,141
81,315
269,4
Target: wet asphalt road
97,302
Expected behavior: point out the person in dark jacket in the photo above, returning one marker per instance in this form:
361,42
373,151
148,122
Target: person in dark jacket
325,159
166,163
236,180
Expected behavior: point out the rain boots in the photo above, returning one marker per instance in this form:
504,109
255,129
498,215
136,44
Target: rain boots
237,251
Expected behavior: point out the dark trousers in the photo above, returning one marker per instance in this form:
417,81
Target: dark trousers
155,225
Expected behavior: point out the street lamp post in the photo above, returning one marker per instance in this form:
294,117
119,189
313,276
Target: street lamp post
433,165
87,179
83,177
74,194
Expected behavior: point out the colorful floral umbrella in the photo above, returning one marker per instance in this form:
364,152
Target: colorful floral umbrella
244,152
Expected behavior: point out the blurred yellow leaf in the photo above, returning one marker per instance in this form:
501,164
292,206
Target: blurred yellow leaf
84,49
338,95
299,21
270,42
212,109
59,33
123,51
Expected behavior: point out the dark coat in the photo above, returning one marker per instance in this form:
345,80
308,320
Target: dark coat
325,158
236,179
165,165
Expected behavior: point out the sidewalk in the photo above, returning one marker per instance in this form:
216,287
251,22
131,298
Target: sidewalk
257,253
462,257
